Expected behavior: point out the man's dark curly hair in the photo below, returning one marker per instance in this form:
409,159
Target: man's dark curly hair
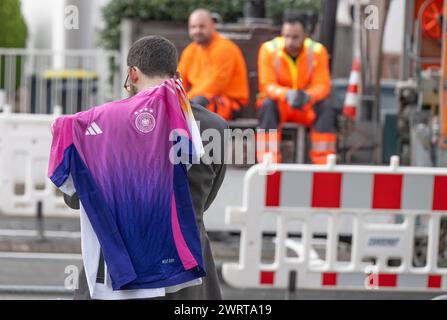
154,56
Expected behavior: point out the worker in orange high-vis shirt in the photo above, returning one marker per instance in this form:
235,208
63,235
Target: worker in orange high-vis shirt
213,68
294,81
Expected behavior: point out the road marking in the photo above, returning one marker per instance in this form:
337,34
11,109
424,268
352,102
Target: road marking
34,233
40,255
34,289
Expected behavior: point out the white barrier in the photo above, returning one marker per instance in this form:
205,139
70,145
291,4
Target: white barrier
24,151
298,193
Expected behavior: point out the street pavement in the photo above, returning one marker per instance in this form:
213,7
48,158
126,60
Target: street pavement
32,268
42,276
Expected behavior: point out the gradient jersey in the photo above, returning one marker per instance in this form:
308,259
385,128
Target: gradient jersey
118,158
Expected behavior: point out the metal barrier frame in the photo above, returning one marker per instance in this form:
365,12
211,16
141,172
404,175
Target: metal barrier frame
329,273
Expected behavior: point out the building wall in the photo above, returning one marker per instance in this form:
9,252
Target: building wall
38,18
45,20
392,45
394,29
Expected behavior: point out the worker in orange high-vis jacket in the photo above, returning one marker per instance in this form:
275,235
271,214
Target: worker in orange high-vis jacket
213,68
294,81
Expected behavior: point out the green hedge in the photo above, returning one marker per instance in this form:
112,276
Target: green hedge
13,30
179,10
13,33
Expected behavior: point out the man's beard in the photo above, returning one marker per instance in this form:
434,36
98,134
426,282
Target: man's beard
202,40
293,51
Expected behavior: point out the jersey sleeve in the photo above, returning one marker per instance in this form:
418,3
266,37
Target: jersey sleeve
60,153
64,172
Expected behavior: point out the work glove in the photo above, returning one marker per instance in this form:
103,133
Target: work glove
297,98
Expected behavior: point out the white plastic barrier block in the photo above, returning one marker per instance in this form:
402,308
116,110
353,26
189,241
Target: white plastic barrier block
24,152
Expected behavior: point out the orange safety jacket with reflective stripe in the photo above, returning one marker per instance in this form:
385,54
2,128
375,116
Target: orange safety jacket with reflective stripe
278,72
218,69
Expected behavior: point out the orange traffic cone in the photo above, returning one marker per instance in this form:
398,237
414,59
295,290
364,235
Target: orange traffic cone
352,100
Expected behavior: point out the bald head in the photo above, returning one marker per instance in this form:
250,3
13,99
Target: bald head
201,26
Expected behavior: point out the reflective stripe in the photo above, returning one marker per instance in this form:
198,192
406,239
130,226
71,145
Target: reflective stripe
270,46
267,141
278,92
319,159
308,42
354,77
352,100
275,44
310,58
278,62
318,47
274,91
271,89
312,47
323,146
272,147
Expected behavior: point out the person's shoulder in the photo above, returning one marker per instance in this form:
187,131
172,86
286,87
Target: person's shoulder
208,119
264,45
317,47
227,49
227,44
106,108
94,110
272,45
189,49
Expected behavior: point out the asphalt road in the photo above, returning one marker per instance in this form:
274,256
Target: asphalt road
42,276
31,269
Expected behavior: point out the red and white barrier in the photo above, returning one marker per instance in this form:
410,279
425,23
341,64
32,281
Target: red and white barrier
375,189
298,193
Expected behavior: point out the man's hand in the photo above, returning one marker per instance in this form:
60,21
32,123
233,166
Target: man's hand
297,98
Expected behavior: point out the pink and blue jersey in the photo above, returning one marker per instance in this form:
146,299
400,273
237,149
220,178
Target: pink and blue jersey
118,158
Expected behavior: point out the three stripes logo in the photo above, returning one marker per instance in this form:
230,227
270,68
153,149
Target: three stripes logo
93,130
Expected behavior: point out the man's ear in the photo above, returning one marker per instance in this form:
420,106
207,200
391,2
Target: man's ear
133,74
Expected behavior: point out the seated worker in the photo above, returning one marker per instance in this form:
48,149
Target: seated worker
213,68
294,81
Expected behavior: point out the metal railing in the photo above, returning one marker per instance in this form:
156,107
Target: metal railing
33,81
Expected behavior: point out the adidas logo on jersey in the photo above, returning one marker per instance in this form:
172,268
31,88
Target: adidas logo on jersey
93,130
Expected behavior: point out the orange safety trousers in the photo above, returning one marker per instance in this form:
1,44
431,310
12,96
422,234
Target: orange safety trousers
322,143
222,105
